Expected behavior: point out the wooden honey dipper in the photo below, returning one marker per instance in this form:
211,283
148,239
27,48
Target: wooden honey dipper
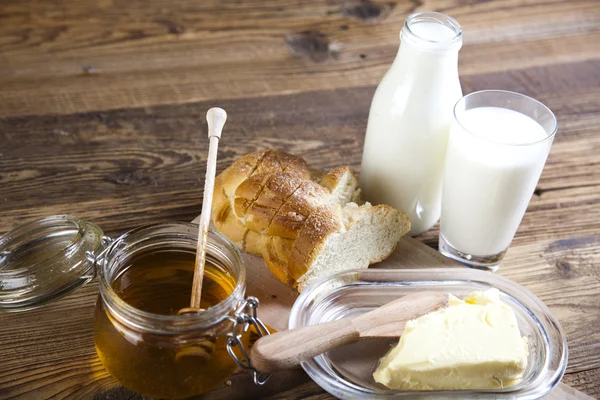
215,117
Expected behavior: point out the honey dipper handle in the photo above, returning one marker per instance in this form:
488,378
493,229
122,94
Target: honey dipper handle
285,350
215,117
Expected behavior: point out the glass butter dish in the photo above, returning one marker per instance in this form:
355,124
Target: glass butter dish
346,372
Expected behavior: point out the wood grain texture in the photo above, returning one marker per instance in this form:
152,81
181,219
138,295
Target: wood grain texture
83,56
101,116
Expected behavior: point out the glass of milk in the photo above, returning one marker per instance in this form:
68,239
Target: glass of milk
497,148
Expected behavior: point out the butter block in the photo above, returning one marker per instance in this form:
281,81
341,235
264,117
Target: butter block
473,343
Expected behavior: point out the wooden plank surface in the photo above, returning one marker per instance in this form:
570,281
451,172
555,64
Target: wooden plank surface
101,116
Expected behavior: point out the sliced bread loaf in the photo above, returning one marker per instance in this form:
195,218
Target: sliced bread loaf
304,224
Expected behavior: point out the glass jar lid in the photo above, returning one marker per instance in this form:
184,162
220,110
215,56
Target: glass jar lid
46,259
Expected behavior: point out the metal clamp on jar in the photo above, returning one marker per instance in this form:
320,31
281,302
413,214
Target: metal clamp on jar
144,346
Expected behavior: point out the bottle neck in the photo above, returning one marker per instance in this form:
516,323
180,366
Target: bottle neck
408,54
433,34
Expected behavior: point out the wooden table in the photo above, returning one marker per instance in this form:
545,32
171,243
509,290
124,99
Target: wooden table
102,116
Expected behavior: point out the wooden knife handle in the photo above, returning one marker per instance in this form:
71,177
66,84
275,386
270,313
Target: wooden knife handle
286,349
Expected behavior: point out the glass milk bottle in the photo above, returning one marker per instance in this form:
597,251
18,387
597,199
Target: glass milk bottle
409,120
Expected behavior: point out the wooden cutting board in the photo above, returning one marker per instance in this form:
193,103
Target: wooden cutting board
276,299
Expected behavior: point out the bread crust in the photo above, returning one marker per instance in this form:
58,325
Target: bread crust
331,178
264,175
311,239
276,254
275,194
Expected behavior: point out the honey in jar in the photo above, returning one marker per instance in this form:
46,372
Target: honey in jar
142,341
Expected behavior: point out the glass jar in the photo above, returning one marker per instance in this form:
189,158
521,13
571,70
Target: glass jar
156,354
146,351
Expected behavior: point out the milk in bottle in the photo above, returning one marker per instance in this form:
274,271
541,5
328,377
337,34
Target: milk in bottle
409,120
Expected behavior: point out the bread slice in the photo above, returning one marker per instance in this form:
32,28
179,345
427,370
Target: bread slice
338,186
228,181
226,184
292,215
343,238
343,186
226,222
243,172
249,191
275,254
274,195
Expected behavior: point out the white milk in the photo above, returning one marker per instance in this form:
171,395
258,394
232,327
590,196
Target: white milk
410,116
491,172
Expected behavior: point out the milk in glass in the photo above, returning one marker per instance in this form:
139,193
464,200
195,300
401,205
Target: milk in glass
409,120
495,157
